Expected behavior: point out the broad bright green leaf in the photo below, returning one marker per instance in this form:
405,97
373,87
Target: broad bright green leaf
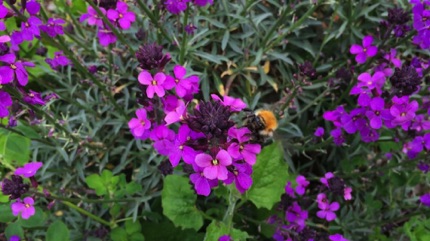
178,201
217,229
14,147
37,220
58,231
6,213
95,182
132,227
269,177
118,234
14,229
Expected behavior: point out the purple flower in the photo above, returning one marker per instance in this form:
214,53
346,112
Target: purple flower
93,17
242,150
363,95
214,168
121,14
234,104
106,36
182,84
377,113
391,57
319,132
297,216
5,102
302,183
347,193
30,29
403,113
58,60
241,175
180,150
335,115
365,51
202,185
424,167
177,115
337,237
53,27
372,82
176,6
369,135
327,176
14,68
225,238
32,7
163,139
353,121
327,211
139,126
338,137
3,11
289,190
14,238
33,98
24,208
425,199
155,85
29,169
190,28
420,123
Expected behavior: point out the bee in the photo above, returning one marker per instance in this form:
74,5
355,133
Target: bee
262,124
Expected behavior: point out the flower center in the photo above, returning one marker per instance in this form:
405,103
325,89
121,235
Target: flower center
142,122
154,82
176,81
403,114
13,66
181,147
369,82
31,95
241,147
27,205
121,16
215,162
235,172
365,50
27,25
377,112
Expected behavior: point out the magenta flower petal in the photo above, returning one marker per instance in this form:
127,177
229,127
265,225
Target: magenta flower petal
112,14
6,74
372,51
203,160
233,149
8,58
211,172
330,216
145,78
356,49
202,186
29,169
361,58
244,180
160,78
367,41
224,158
179,71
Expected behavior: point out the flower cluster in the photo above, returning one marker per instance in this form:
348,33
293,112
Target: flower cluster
421,23
295,228
119,16
13,69
16,188
207,140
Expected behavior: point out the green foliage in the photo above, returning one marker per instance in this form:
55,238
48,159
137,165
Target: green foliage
417,229
132,232
269,177
14,148
178,201
58,231
218,229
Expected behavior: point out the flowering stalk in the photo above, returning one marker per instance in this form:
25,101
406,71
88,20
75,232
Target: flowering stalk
184,38
154,20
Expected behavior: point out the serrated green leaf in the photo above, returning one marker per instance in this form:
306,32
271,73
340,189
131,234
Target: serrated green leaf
217,229
269,177
6,213
95,182
178,201
58,231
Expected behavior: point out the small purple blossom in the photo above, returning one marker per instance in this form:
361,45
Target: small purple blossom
14,69
337,237
225,238
5,102
377,113
425,199
29,169
289,190
365,51
391,57
180,150
327,211
106,36
93,17
241,175
203,3
327,176
32,7
235,104
139,126
53,27
182,85
14,238
297,216
202,185
424,167
163,139
122,15
302,183
176,6
59,60
33,98
24,208
30,29
155,85
214,168
347,193
241,149
176,115
319,132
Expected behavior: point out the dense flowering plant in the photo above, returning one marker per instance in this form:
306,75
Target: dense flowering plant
138,120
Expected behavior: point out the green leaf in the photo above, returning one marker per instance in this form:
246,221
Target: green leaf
269,177
118,234
36,220
132,227
217,229
58,231
178,201
14,229
137,237
14,147
95,182
6,213
167,232
132,188
3,198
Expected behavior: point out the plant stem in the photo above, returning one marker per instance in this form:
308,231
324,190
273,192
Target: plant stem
228,216
184,39
153,20
86,213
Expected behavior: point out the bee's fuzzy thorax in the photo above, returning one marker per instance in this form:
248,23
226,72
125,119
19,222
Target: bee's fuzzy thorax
270,121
